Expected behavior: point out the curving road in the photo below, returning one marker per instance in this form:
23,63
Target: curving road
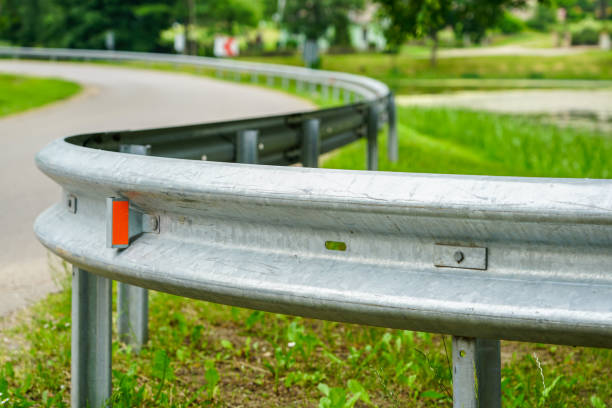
114,98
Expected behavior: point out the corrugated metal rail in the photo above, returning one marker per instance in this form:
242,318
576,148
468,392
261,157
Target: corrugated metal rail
481,258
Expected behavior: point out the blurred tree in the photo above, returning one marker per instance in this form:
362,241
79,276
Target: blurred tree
313,18
85,23
135,24
229,17
425,18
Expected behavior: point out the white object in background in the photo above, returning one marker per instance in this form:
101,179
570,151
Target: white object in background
226,47
179,42
604,41
109,40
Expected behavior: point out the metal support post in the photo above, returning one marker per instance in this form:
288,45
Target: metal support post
476,373
392,144
335,93
299,85
91,339
310,143
270,80
313,87
372,135
133,315
247,146
219,74
254,78
488,368
133,301
324,91
347,96
237,76
285,83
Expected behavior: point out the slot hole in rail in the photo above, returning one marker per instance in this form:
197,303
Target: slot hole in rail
335,245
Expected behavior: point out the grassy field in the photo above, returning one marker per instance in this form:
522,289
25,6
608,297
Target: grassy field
19,93
202,354
406,74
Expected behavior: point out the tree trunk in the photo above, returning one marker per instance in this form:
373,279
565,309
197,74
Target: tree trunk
433,57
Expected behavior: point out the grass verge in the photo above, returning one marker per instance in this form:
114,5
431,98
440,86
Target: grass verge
406,74
19,93
203,354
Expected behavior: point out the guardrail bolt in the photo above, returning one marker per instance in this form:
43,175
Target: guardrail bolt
459,256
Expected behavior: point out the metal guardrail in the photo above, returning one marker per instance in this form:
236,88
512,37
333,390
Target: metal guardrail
481,258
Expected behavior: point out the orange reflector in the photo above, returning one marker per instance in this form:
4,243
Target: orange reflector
121,217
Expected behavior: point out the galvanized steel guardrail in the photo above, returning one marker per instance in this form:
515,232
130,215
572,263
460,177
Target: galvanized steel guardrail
481,258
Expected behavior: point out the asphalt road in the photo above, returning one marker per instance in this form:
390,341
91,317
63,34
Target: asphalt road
114,98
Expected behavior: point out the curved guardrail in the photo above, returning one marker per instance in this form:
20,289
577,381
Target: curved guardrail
481,258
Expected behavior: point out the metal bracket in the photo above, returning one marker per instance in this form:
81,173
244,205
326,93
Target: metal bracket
450,256
150,223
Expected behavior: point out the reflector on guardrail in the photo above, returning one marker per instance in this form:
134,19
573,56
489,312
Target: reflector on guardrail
117,222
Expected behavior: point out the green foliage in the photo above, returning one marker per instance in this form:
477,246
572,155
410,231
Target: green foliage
581,9
425,18
543,18
586,32
440,140
510,24
19,93
136,24
228,16
84,23
413,18
312,18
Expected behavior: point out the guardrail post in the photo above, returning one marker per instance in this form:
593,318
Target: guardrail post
335,93
325,91
299,85
254,78
392,143
91,339
476,373
488,366
347,96
372,135
310,143
270,80
133,301
132,315
247,146
237,76
285,83
313,87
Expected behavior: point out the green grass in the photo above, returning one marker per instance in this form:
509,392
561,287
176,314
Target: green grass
203,354
19,93
438,140
530,39
406,74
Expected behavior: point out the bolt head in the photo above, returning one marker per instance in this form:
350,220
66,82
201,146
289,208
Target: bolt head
459,256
